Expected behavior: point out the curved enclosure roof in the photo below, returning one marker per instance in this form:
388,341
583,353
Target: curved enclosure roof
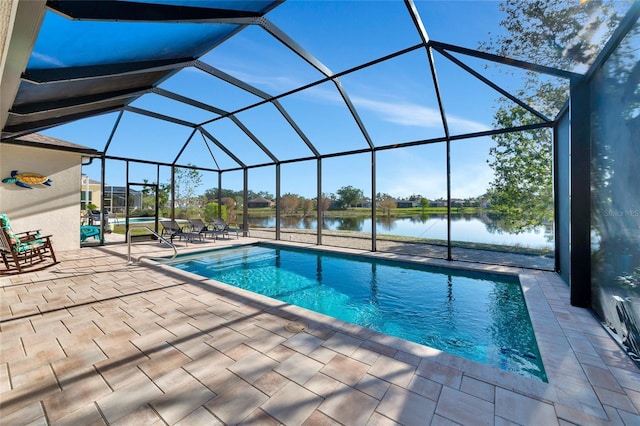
223,85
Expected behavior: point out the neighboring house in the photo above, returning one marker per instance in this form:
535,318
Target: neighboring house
365,202
90,192
406,204
257,203
457,202
115,198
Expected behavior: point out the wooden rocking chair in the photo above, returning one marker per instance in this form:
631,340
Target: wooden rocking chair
25,249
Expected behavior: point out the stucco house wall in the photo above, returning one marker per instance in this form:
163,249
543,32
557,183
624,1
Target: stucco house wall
55,209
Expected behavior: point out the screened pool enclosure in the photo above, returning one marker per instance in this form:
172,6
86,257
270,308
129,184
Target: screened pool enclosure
462,138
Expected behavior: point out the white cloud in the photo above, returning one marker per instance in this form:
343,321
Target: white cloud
465,126
411,114
401,113
275,83
405,114
324,93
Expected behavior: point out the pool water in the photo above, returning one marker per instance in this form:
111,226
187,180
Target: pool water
132,220
476,316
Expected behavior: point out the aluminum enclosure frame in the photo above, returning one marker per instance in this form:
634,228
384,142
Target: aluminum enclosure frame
122,98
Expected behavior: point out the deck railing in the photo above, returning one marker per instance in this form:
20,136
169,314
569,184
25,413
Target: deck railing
162,239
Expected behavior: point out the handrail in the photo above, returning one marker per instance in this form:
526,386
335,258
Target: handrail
175,249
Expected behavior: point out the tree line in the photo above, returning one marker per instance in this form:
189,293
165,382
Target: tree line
188,203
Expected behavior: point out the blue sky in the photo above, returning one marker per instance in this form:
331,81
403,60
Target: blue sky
395,100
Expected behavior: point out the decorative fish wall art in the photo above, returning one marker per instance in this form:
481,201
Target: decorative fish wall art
25,180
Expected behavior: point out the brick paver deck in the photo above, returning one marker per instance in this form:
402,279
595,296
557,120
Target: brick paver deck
95,341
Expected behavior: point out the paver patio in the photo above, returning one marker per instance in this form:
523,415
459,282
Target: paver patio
95,341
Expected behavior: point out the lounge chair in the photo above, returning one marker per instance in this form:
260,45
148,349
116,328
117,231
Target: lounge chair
173,230
224,228
197,225
24,248
88,231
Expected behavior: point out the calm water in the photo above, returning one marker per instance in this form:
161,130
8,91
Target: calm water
469,228
480,317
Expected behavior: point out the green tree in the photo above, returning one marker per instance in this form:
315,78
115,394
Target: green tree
187,181
348,195
212,211
149,197
556,33
522,188
239,201
164,192
211,194
424,203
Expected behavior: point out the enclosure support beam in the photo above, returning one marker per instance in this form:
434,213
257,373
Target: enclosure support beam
580,187
173,192
445,126
102,186
278,201
374,234
184,146
449,257
417,21
558,168
126,204
319,203
492,84
219,193
245,198
156,224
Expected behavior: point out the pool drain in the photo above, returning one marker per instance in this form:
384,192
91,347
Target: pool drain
295,327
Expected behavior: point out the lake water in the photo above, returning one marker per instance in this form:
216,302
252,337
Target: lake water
468,228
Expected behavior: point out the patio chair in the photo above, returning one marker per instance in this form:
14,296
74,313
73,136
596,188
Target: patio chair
88,231
173,230
197,225
24,249
224,228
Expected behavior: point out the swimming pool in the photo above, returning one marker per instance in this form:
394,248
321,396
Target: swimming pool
133,220
477,316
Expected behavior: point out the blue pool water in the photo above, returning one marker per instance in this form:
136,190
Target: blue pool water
477,316
132,220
